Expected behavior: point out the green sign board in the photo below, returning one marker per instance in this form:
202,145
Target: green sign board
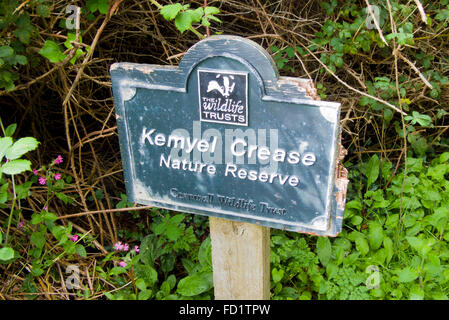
224,135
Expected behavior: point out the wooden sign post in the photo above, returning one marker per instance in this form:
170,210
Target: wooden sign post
240,259
224,135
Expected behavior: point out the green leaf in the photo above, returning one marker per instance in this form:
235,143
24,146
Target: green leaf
16,166
422,246
177,219
375,234
140,284
442,15
324,250
416,293
6,254
372,170
5,143
144,294
116,271
38,239
407,275
277,275
37,218
196,14
444,157
103,6
170,11
173,232
81,251
183,21
24,34
20,147
52,52
147,273
10,130
6,51
43,10
389,248
211,10
49,216
205,253
362,245
195,284
63,197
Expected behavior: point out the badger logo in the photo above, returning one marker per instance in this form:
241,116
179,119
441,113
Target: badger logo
223,96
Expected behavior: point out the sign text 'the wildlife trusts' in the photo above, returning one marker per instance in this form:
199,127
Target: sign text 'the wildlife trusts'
224,135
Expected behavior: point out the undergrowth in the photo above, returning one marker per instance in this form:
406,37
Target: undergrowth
67,229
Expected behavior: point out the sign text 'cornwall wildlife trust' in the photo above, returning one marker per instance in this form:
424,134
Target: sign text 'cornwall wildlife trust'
224,135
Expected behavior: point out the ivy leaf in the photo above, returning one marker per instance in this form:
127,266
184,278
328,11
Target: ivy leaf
16,166
20,147
170,11
52,52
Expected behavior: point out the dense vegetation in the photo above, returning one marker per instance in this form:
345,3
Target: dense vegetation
63,208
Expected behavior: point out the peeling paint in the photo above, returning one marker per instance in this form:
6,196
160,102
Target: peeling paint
140,190
341,177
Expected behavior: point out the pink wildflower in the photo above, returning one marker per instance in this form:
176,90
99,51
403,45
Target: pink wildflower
35,172
20,225
122,264
42,181
125,247
45,208
59,159
136,249
57,176
74,238
118,246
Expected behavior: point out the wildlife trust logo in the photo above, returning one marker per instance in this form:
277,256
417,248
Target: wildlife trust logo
223,96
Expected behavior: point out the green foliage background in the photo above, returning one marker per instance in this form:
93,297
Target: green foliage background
392,81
